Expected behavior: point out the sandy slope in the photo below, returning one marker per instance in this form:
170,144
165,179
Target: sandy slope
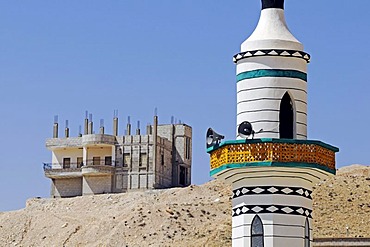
193,216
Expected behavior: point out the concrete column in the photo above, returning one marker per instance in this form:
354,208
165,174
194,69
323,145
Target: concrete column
55,130
113,155
85,155
115,126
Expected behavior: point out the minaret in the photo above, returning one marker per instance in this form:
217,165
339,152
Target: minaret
272,171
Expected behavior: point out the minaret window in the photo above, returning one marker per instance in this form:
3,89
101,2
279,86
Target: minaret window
257,232
286,117
307,242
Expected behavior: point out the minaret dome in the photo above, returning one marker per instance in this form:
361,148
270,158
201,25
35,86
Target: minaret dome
272,31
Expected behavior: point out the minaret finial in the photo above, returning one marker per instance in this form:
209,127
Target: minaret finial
268,4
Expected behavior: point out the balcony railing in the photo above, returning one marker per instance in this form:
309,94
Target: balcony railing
77,166
58,166
100,163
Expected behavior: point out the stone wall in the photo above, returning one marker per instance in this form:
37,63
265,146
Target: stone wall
97,185
68,187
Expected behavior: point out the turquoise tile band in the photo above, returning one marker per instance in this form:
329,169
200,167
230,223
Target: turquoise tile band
271,73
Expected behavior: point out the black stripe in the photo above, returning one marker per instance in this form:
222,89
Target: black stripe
293,210
257,88
264,121
265,191
268,131
306,173
301,112
264,110
276,177
284,225
301,123
302,135
267,110
251,100
269,171
273,236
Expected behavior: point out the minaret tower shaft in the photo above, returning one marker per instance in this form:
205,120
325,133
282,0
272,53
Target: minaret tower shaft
272,172
272,78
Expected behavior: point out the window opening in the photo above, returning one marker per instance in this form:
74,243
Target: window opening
66,163
108,160
286,117
143,159
126,160
187,147
257,232
183,173
96,161
307,242
80,162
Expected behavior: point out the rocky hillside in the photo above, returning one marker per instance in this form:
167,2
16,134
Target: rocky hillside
342,204
193,216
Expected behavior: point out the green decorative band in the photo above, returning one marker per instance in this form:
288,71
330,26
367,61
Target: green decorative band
271,73
272,164
272,140
273,152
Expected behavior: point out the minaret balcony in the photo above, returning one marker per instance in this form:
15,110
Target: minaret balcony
284,153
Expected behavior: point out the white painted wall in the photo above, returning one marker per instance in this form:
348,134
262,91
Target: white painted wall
101,151
59,154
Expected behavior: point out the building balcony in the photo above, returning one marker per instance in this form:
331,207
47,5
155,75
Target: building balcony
71,142
98,170
73,170
283,153
95,139
57,170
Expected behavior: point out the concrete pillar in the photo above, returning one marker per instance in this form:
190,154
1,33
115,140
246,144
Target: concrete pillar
115,126
85,155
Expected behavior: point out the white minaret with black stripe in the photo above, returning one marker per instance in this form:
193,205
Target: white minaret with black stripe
272,175
272,78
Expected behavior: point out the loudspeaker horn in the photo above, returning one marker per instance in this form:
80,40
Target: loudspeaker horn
213,138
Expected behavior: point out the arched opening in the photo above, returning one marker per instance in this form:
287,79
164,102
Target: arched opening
257,232
286,117
307,242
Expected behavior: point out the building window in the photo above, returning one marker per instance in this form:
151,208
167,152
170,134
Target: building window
143,159
96,161
80,162
307,242
187,148
257,232
162,159
126,160
108,160
183,176
286,117
66,163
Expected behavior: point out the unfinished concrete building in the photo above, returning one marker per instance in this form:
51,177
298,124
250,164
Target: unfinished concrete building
101,163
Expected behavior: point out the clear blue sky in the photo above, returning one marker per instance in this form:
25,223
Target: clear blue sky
65,57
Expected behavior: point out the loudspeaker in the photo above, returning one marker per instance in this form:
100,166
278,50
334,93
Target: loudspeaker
213,138
245,129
